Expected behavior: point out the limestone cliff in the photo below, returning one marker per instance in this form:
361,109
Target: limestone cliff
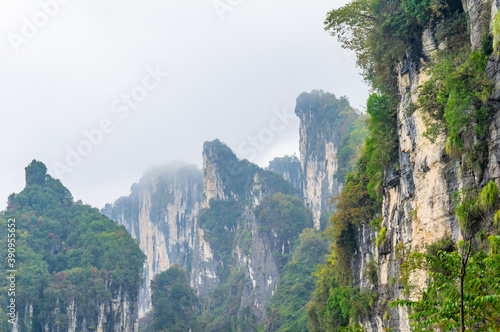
324,120
121,314
418,205
206,222
161,213
257,254
290,169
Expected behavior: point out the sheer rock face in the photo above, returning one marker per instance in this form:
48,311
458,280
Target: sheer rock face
161,213
417,206
222,170
121,314
479,13
290,169
212,183
260,268
319,184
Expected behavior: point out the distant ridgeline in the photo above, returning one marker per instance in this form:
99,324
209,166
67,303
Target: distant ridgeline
76,270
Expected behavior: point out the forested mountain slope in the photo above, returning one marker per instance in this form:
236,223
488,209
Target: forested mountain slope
75,269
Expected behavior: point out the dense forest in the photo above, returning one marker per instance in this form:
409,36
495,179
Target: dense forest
70,261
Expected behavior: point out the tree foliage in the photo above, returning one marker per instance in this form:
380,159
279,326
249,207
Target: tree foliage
351,146
287,309
382,142
174,302
439,303
454,98
65,252
380,32
336,303
284,215
223,311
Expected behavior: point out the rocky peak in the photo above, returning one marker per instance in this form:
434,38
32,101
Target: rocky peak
161,213
215,155
324,119
290,169
36,172
224,175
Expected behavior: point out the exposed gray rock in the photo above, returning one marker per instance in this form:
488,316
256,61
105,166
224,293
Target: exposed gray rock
480,14
119,315
161,213
318,158
289,168
417,206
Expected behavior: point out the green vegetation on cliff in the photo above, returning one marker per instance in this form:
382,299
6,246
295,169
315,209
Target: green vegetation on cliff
351,146
223,312
287,309
336,303
65,252
238,176
387,38
454,102
174,302
438,304
220,222
284,215
332,119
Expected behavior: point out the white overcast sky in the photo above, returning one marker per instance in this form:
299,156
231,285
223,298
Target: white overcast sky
227,79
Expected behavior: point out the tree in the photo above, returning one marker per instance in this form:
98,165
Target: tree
286,311
464,285
35,173
174,301
463,292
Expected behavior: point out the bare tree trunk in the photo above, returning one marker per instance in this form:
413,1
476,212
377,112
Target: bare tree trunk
463,271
